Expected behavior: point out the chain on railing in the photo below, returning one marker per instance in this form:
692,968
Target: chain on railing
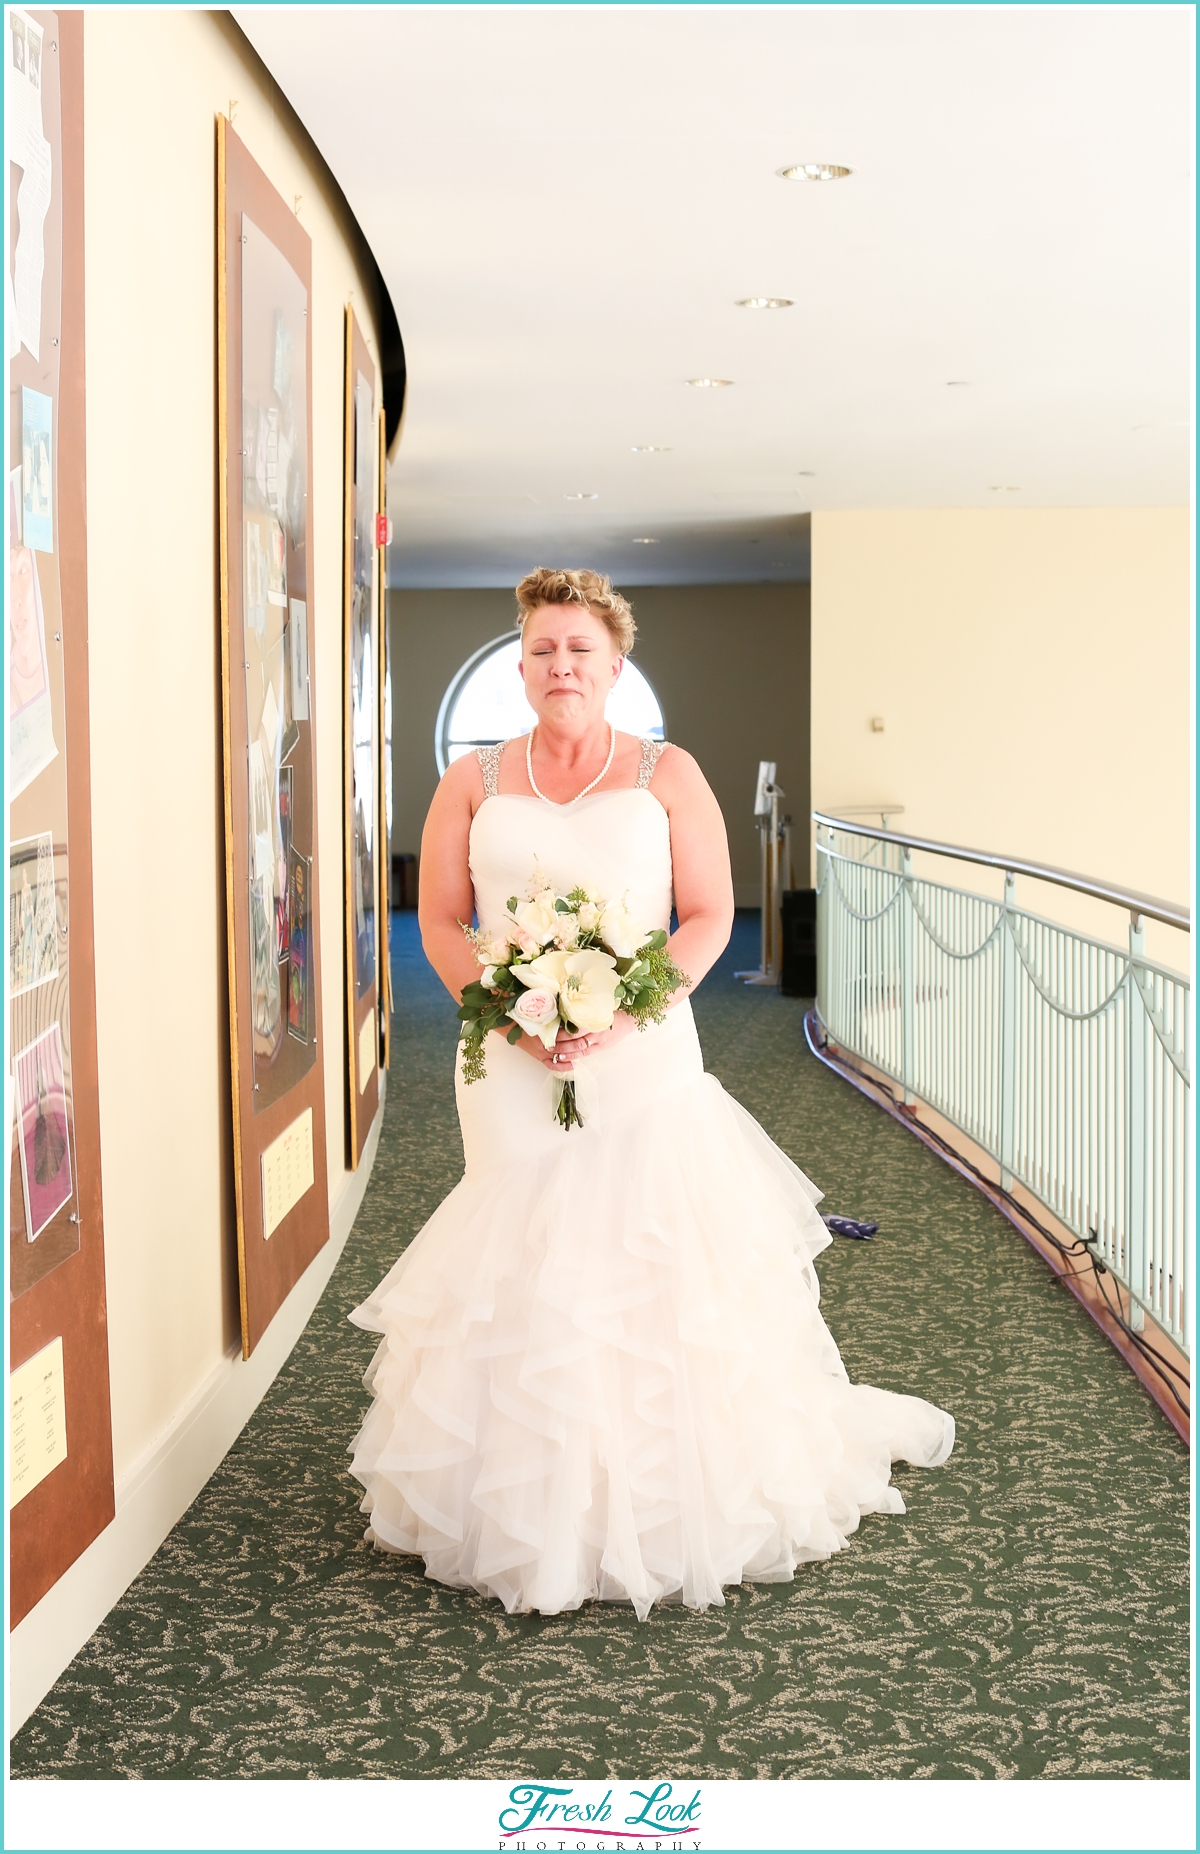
1065,1059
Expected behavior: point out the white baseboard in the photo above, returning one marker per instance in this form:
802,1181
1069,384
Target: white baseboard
157,1490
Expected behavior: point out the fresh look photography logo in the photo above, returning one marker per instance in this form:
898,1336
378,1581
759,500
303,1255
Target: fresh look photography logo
660,1816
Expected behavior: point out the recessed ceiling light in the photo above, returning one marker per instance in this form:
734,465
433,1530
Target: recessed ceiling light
806,473
710,383
814,170
958,383
764,302
650,447
645,540
580,495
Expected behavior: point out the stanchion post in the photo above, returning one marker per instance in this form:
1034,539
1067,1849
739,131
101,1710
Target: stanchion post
771,922
1135,1122
1008,1034
908,980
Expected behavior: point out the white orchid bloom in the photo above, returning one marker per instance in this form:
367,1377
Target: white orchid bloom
584,983
549,969
585,997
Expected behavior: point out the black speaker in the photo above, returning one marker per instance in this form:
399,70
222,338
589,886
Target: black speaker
404,880
799,975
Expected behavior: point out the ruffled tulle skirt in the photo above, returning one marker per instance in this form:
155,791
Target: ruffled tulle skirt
603,1371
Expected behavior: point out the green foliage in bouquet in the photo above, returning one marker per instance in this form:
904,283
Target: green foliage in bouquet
647,981
481,1012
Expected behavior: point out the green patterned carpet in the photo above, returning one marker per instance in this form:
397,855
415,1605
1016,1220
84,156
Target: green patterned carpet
1027,1618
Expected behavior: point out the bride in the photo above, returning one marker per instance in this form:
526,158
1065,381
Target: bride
602,1370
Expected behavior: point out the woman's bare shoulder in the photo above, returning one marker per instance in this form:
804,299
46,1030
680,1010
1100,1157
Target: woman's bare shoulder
677,773
461,785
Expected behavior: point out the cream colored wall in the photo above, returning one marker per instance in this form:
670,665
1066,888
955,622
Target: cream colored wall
1031,668
155,81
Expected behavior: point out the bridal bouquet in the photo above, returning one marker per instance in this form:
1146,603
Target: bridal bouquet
564,961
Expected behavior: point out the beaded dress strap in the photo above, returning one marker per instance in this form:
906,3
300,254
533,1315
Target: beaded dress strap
489,765
652,752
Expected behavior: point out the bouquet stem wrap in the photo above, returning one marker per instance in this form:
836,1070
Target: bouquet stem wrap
575,1098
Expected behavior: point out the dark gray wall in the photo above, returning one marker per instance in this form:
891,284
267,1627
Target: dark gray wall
730,665
430,637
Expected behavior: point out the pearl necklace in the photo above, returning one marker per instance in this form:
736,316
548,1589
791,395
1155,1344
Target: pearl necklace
612,747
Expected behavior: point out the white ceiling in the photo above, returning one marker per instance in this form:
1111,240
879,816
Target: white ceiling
566,203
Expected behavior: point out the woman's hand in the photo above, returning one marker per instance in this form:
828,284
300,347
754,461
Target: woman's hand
571,1045
532,1046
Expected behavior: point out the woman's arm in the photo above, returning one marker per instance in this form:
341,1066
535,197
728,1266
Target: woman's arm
447,895
700,863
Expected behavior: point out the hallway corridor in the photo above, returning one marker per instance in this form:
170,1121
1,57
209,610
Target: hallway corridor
1027,1619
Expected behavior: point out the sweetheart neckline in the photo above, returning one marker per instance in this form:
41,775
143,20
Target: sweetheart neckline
619,791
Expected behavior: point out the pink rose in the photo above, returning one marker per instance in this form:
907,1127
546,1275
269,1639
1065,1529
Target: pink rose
536,1011
538,1005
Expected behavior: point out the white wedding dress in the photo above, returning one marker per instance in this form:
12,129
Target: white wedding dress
603,1372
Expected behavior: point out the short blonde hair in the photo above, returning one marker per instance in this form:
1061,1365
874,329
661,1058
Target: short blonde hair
578,586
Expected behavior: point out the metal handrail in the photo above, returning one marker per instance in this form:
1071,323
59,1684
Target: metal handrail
1170,912
1065,1060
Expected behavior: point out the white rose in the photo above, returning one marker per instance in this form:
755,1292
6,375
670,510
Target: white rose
536,1011
538,919
620,930
488,976
586,990
589,916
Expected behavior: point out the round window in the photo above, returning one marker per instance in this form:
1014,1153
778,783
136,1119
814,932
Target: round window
486,703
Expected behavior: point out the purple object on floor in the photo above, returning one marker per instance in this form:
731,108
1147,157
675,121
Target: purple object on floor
848,1226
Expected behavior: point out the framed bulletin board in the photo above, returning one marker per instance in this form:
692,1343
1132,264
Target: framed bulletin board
384,859
361,674
264,360
60,1488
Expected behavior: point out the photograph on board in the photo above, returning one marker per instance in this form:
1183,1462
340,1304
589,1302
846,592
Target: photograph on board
32,914
297,1010
31,745
285,845
37,469
44,1133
